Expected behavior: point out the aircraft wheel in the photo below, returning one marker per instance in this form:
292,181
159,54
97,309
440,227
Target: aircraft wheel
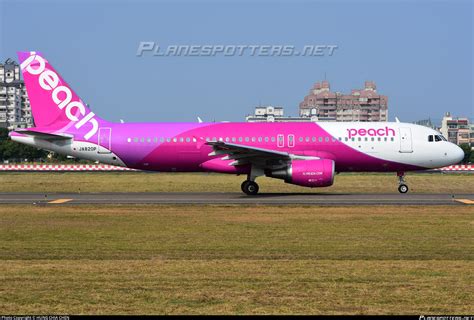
249,187
403,188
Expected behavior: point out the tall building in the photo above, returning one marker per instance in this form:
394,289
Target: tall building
456,130
15,111
360,105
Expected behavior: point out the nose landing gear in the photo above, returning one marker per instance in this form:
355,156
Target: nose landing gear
402,187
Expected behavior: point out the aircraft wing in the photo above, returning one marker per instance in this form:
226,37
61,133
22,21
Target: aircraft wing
243,154
44,135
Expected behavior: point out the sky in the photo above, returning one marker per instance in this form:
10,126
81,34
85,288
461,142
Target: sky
419,53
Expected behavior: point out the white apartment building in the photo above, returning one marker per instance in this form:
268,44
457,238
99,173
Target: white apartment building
15,111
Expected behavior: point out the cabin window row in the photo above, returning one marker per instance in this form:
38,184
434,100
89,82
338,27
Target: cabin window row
259,139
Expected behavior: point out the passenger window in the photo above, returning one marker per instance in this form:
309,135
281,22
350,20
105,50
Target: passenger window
430,138
320,139
266,139
300,139
273,139
366,139
253,139
188,140
259,139
129,140
326,139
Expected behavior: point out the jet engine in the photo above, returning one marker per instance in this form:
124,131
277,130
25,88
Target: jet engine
306,173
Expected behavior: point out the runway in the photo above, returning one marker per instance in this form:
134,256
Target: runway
184,198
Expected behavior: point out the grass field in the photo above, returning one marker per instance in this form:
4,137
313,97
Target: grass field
231,259
179,182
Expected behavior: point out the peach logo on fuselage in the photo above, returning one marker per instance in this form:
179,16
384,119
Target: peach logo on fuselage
362,132
61,95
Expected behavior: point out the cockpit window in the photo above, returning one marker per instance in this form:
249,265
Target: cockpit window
438,138
430,138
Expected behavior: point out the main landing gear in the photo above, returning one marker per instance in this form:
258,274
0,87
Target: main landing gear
402,187
249,186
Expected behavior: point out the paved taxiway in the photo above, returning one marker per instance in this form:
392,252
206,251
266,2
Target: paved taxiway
352,199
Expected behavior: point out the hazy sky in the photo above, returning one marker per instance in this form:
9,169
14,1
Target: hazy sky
419,54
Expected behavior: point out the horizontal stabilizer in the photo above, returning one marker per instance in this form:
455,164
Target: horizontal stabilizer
44,135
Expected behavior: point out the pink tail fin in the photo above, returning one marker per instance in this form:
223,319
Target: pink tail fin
53,103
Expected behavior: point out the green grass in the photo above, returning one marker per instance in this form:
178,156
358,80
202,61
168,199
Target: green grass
178,182
232,259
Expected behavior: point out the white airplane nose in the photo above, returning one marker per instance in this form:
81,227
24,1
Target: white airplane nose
457,154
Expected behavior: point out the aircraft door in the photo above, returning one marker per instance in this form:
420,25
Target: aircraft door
105,140
406,145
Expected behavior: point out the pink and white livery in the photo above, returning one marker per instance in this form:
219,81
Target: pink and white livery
305,154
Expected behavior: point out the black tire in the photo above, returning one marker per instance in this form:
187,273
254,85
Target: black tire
242,186
250,188
403,188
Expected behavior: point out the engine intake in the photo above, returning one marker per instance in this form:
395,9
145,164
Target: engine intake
307,173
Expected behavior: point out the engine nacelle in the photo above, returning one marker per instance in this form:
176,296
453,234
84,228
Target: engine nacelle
307,173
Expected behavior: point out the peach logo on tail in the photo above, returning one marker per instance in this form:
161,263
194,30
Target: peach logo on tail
362,132
61,95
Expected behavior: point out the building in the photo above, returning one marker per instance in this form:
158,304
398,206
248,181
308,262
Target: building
360,105
15,111
274,114
456,130
427,123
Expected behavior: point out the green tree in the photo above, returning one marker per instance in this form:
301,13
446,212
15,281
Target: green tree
10,150
467,152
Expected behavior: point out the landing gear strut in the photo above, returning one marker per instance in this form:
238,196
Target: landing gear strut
402,187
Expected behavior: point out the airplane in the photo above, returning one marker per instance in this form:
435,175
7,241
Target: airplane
306,154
